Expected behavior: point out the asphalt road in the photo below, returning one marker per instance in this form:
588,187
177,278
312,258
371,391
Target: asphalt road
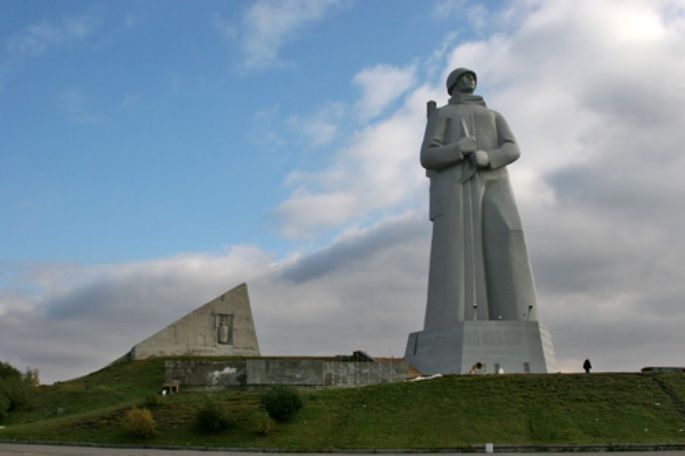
48,450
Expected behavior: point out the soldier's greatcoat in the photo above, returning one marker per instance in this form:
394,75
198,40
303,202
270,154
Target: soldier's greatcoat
478,242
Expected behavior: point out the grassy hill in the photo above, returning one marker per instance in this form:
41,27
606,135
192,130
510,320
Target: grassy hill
452,411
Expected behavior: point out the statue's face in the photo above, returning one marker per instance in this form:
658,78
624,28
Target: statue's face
466,83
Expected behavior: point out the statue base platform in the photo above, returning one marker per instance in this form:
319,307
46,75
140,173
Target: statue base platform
512,346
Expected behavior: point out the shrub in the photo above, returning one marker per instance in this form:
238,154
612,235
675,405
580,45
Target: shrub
212,418
16,390
139,423
7,371
151,400
4,406
262,422
32,377
281,403
19,393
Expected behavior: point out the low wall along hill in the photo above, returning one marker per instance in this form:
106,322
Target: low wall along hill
315,372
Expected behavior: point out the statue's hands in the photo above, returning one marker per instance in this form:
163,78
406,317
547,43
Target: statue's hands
467,145
479,159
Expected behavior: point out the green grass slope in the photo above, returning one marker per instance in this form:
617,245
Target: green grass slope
452,411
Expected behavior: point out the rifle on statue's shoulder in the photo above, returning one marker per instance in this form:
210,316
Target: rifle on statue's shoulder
430,107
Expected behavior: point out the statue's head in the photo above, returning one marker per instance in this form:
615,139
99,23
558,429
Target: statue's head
462,79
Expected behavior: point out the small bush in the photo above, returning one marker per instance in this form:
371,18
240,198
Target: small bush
139,423
281,403
32,377
151,400
8,371
262,422
19,393
16,390
4,406
212,418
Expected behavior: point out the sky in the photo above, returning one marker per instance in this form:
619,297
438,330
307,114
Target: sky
155,154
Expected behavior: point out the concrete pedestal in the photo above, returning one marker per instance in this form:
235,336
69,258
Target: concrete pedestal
513,346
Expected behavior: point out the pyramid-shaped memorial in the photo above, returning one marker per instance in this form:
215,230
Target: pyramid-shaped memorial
222,327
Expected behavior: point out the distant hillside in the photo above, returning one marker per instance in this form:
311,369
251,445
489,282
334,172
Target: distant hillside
448,412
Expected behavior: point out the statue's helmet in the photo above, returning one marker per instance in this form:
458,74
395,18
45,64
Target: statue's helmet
455,75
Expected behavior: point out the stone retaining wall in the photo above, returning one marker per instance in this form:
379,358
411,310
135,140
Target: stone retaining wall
286,371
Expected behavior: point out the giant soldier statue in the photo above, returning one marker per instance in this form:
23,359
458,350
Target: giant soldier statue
481,308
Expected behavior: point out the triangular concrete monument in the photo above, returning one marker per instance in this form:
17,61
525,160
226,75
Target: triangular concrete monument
222,327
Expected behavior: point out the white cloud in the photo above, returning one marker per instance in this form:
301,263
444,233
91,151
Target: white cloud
554,104
271,129
339,296
268,25
36,38
475,13
320,128
598,180
224,27
265,127
90,315
377,171
366,290
381,85
448,8
133,20
598,114
130,99
75,104
597,107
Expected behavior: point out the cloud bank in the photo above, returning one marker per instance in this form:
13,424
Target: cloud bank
344,297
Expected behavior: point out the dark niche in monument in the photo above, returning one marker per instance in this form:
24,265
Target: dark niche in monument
481,308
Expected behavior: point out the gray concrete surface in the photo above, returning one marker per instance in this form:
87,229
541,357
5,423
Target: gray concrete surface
479,266
328,373
202,373
222,327
49,450
286,371
478,252
513,346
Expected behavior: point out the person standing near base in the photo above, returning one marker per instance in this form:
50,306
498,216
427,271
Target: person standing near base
587,366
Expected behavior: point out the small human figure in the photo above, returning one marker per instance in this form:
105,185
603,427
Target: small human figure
587,366
477,368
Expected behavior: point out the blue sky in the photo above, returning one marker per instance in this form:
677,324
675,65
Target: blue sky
155,154
140,129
